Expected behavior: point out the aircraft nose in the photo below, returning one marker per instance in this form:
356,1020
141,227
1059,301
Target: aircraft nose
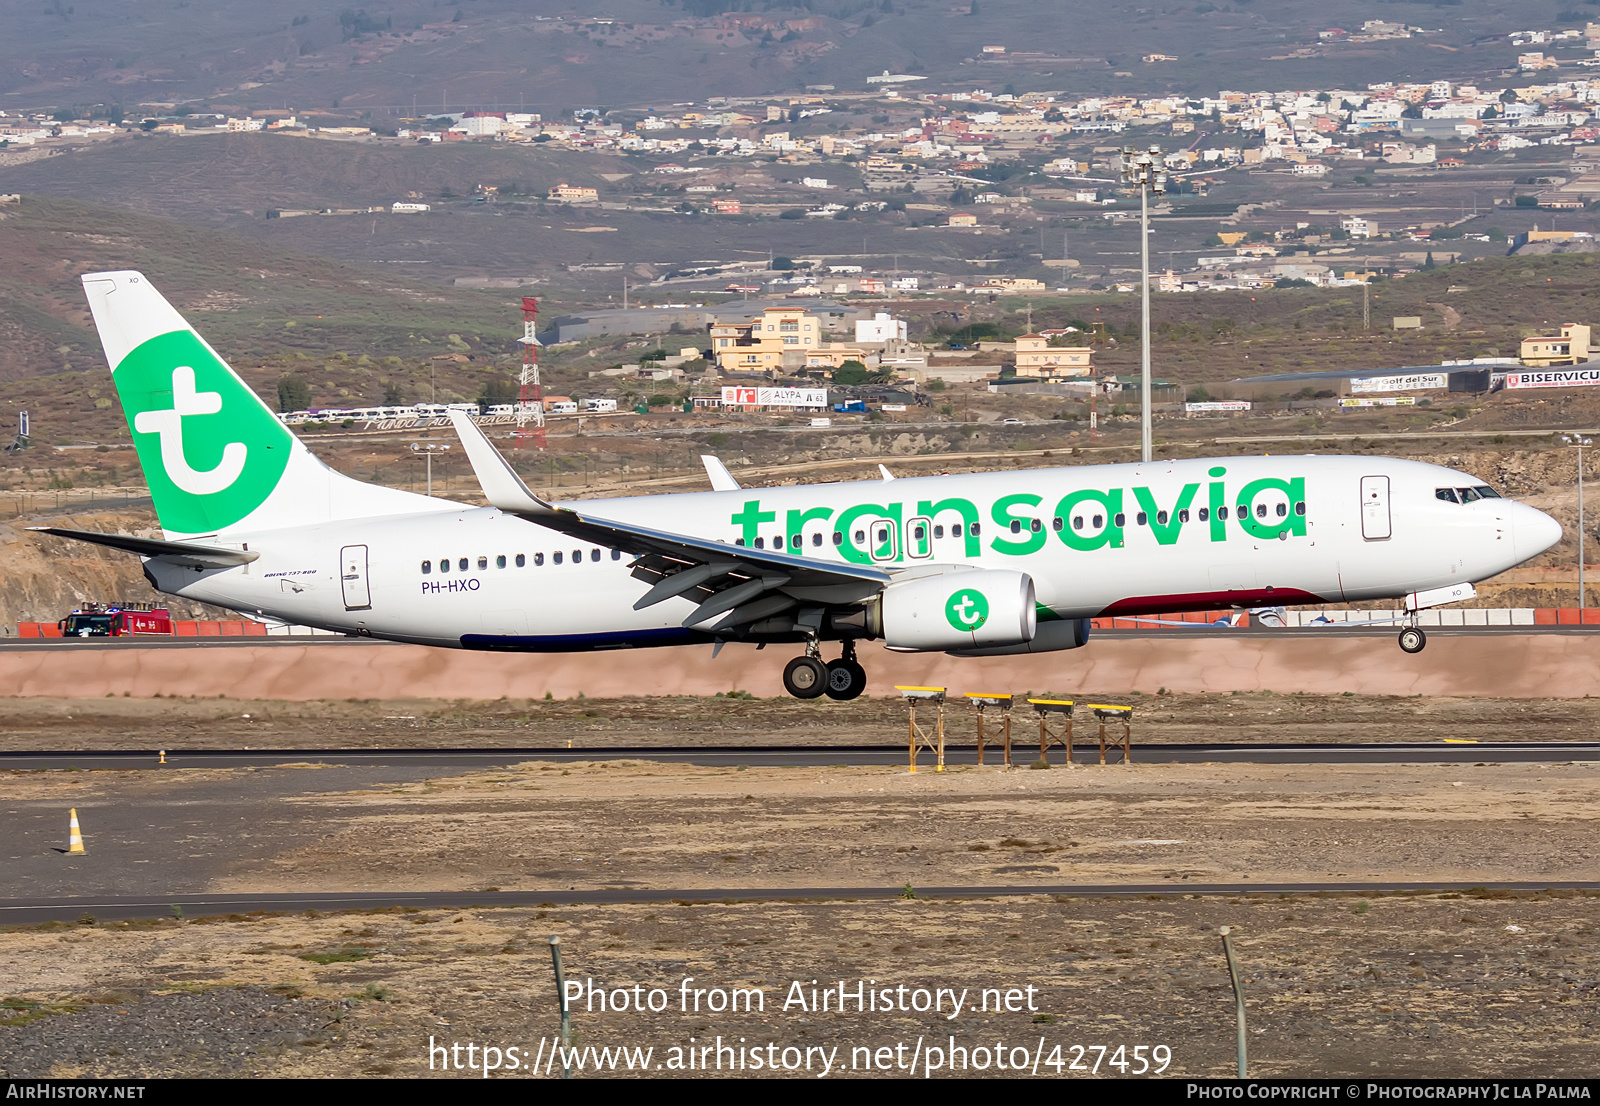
1532,531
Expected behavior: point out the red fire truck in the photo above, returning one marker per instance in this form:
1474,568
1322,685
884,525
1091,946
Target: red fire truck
117,620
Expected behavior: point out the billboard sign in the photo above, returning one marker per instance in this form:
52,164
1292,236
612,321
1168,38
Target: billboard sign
1389,401
774,397
1410,382
1218,405
1553,378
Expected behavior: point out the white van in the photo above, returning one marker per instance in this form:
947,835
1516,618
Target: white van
597,406
563,407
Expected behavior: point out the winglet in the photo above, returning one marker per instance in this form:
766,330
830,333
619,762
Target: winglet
887,475
721,479
500,482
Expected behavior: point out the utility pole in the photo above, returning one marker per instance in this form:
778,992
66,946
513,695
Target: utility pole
1366,303
530,393
1144,171
428,451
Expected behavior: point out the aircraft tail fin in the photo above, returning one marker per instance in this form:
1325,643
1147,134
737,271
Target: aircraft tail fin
215,457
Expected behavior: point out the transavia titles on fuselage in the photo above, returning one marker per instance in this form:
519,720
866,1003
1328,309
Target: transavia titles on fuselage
975,565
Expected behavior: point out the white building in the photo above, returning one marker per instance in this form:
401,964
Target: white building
880,328
410,209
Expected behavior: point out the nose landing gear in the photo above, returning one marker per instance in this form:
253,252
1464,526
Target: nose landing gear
1412,639
807,677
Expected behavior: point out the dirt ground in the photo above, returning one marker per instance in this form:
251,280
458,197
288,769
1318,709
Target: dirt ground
29,724
1442,985
1482,983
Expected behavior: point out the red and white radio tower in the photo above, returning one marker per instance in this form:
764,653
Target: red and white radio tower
530,398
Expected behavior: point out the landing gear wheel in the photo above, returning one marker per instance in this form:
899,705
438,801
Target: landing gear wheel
1412,639
805,678
846,680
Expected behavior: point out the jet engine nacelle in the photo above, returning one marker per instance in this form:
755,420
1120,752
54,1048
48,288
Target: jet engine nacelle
1067,633
959,610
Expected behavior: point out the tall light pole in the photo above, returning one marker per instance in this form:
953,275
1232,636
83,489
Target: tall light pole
1580,443
428,451
1144,171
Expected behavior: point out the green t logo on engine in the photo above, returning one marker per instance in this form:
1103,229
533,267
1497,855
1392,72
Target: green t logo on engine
967,610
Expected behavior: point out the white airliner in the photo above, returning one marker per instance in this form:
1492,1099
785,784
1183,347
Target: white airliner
975,565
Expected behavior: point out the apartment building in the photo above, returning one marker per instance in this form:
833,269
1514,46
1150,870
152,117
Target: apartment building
782,337
1570,347
1038,359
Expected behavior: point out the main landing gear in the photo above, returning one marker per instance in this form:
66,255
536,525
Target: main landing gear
808,677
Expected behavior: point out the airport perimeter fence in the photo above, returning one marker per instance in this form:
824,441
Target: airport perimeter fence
72,500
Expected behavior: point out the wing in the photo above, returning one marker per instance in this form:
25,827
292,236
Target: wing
733,586
186,554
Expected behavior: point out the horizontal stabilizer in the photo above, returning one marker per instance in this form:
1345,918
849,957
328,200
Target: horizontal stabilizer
187,554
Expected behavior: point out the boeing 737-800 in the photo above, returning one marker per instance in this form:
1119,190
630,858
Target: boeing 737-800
974,565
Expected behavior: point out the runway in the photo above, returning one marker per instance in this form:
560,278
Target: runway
118,908
1023,754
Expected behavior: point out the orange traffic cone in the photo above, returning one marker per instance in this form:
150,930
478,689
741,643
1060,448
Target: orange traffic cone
74,834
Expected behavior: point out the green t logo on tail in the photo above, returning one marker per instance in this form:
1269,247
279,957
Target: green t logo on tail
967,610
211,452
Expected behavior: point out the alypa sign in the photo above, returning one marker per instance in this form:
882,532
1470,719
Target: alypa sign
774,397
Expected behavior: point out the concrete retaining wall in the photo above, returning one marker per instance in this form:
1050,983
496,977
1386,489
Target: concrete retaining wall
1532,665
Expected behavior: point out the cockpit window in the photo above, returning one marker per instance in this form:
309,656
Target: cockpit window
1486,492
1468,495
1446,494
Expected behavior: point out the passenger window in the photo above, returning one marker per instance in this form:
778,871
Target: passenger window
462,564
1183,515
1056,524
1141,518
1300,508
738,541
500,561
1161,518
1205,514
522,559
1222,513
577,556
1122,519
1016,527
838,538
973,530
1077,522
1283,509
1446,494
594,554
483,563
920,533
444,564
538,560
761,543
555,558
616,554
1244,510
1261,510
1099,521
955,531
861,536
427,567
816,539
938,532
1035,525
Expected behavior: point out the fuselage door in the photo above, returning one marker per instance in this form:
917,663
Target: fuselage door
1375,523
353,578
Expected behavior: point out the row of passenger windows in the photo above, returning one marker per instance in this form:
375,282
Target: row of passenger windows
1095,522
464,564
1465,495
796,541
